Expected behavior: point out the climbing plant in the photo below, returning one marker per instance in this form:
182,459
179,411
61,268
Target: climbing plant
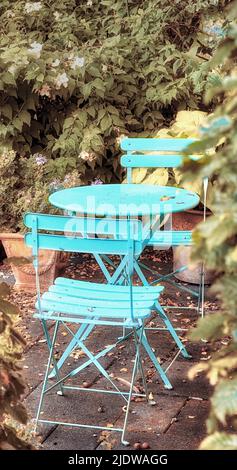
216,244
75,75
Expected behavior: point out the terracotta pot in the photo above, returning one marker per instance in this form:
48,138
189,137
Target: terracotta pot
181,255
24,274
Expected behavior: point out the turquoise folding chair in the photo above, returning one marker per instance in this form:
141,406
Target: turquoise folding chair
138,156
88,304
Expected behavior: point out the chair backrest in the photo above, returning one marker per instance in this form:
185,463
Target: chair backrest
135,157
84,235
80,234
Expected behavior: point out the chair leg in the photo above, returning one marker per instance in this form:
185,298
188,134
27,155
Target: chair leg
137,339
134,372
172,331
154,360
51,357
202,290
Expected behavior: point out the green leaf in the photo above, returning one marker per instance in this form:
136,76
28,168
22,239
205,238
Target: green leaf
105,123
98,84
220,441
86,90
223,52
4,289
6,111
8,308
224,399
8,79
19,413
18,124
210,327
25,116
159,177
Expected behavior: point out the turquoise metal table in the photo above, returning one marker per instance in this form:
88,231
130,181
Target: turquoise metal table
127,201
124,200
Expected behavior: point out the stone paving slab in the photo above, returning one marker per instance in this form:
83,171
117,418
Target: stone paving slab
153,420
180,426
182,386
75,407
187,432
70,439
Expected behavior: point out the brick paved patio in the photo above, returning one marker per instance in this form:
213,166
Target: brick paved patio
176,421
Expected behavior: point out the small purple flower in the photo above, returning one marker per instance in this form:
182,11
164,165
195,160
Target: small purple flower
40,159
96,182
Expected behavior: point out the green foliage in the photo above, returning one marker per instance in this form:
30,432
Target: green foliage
11,384
220,441
215,243
24,186
75,75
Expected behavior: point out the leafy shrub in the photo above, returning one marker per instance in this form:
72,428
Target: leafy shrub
11,383
215,243
74,75
25,186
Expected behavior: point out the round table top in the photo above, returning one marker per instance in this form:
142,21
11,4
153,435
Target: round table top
124,199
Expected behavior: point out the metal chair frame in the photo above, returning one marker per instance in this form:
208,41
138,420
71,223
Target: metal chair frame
82,303
135,158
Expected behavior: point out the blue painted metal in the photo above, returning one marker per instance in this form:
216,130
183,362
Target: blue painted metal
171,238
134,159
151,161
80,245
155,145
90,304
83,226
124,200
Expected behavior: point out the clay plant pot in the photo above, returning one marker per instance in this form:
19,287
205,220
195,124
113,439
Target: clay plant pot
181,255
49,263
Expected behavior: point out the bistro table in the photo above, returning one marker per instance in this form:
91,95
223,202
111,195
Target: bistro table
127,201
147,202
123,200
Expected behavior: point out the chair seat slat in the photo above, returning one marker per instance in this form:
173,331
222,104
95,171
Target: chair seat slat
81,310
92,302
100,294
106,288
